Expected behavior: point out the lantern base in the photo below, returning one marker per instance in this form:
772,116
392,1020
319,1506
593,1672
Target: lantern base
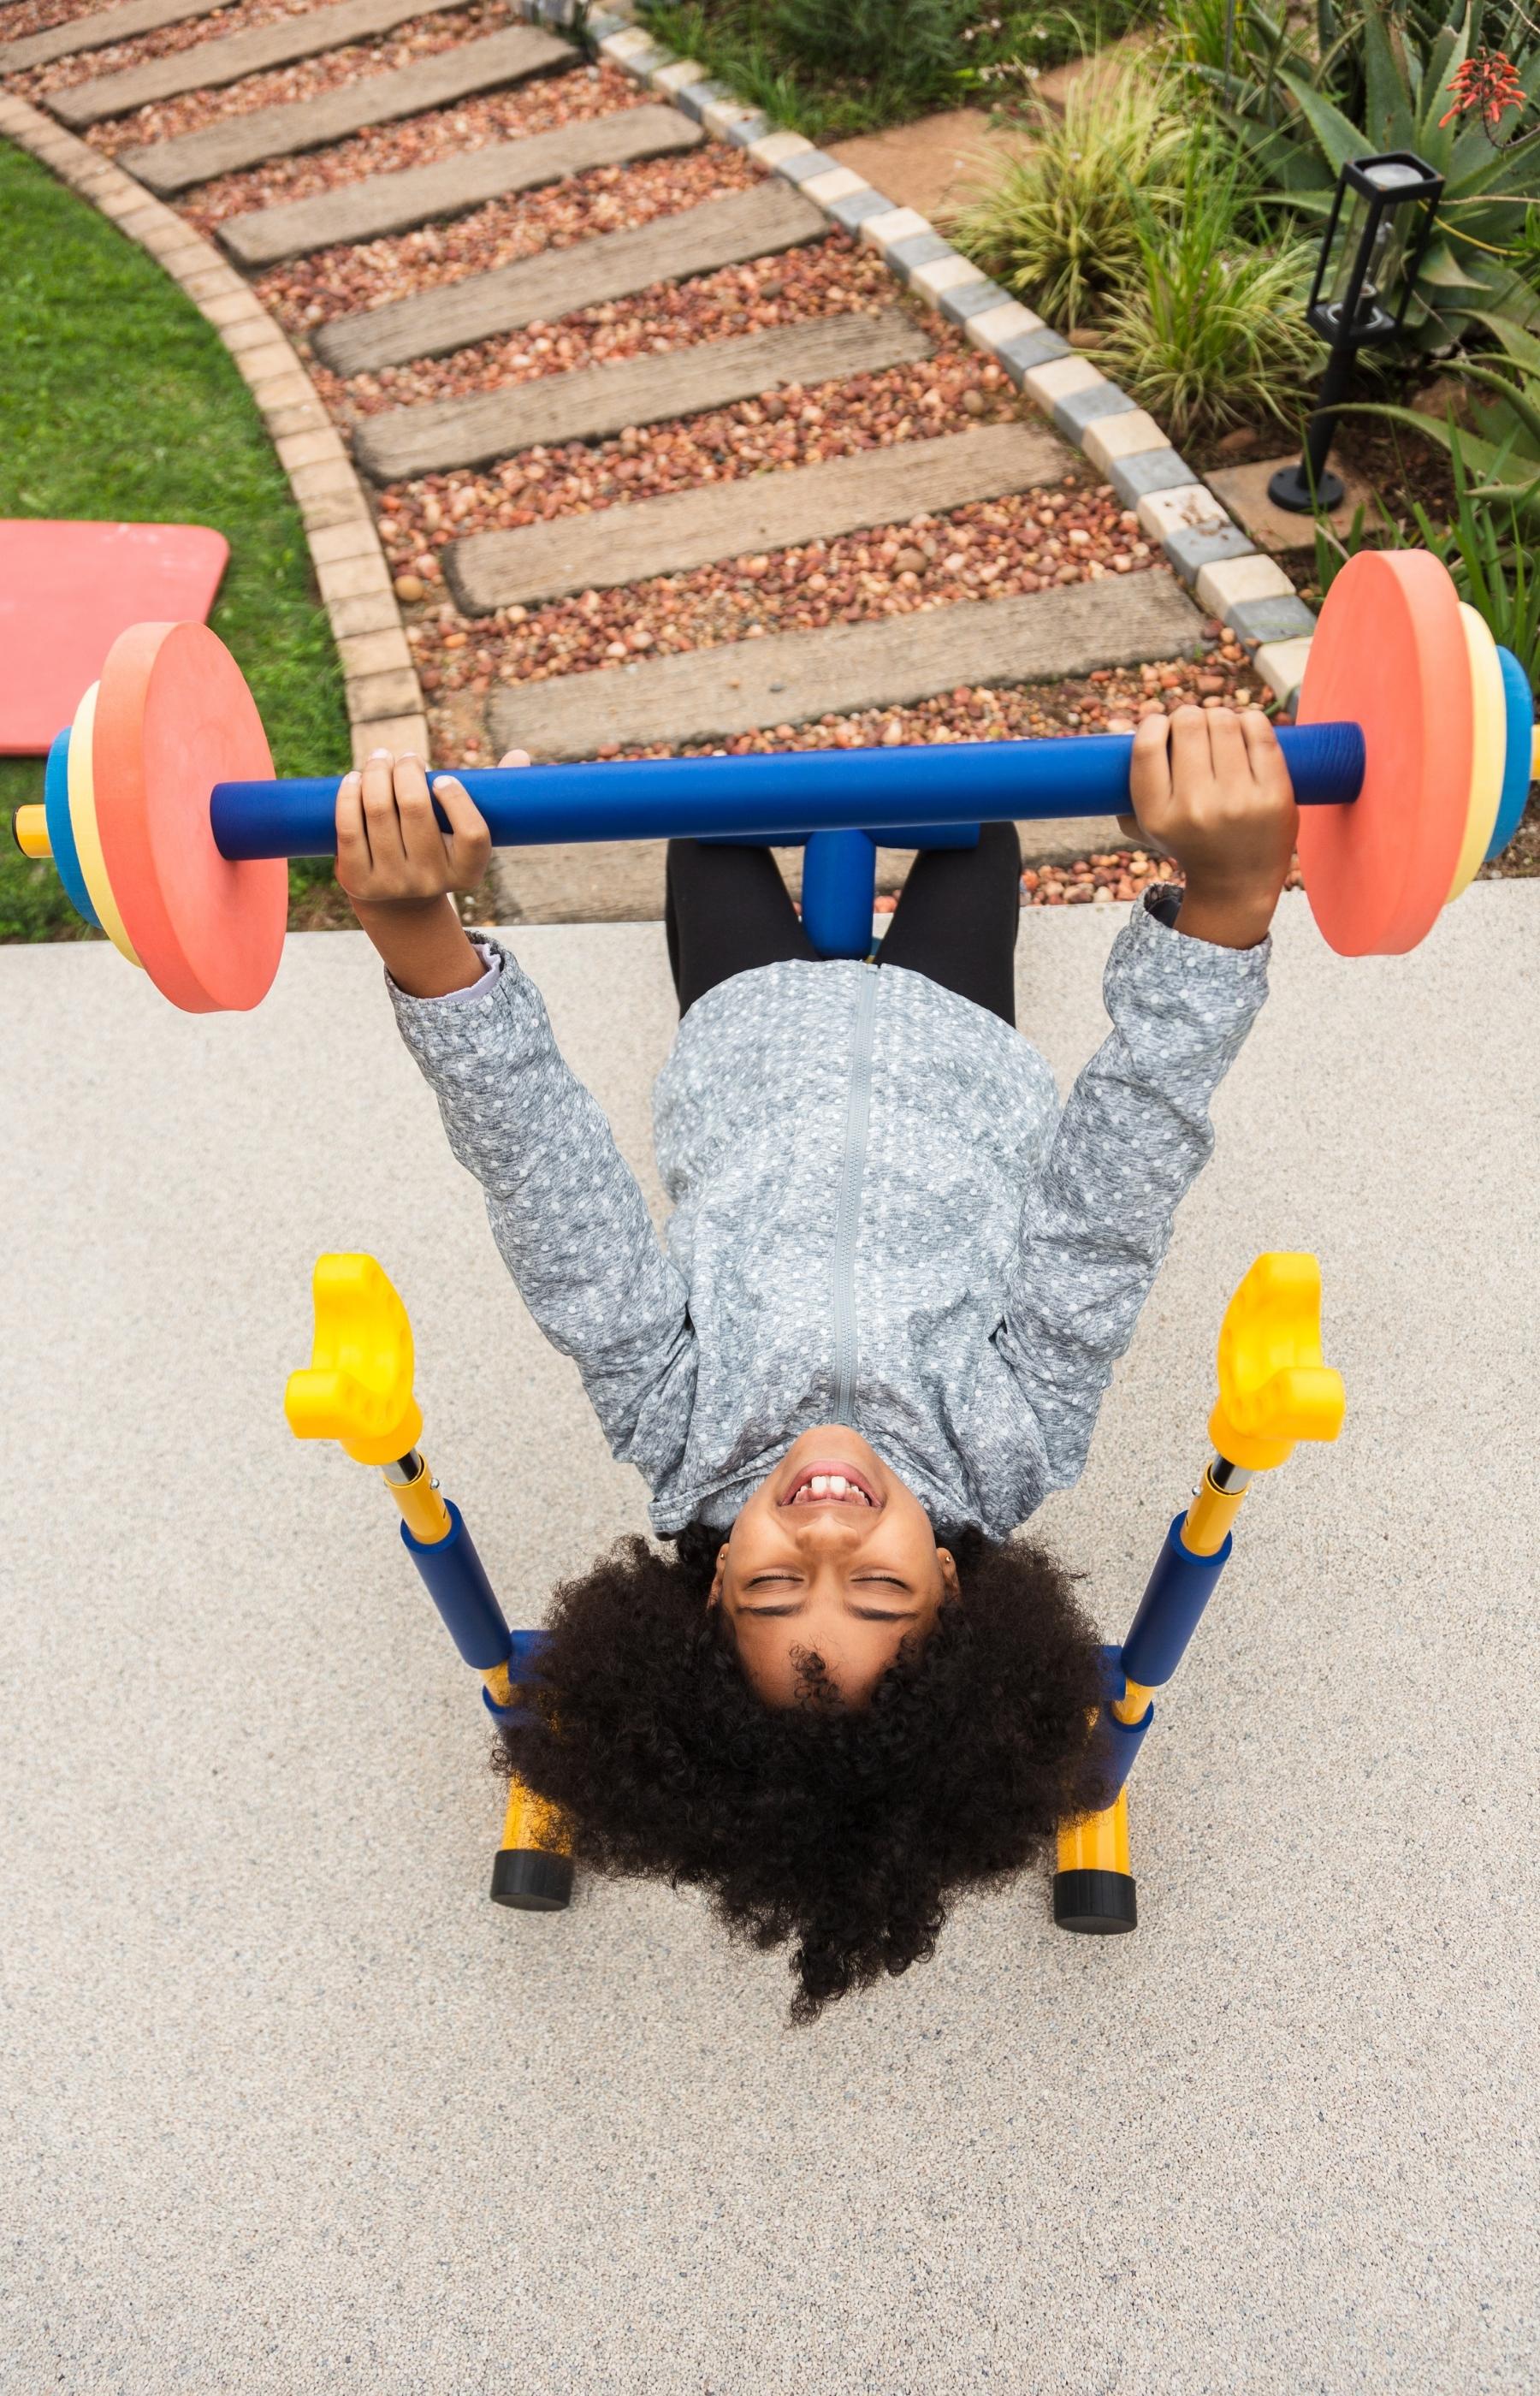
1289,489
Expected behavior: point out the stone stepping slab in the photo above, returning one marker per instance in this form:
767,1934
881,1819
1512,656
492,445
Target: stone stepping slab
239,141
594,402
415,195
792,677
764,512
770,216
104,27
210,63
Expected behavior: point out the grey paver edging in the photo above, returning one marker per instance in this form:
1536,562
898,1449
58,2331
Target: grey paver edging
380,679
1234,580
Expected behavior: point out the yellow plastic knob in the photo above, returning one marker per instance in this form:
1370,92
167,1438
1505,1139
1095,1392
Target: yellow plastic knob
1273,1388
357,1387
29,826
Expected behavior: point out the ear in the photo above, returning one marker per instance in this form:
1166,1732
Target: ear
948,1571
713,1595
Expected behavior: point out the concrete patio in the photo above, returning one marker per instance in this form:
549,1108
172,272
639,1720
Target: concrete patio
291,2108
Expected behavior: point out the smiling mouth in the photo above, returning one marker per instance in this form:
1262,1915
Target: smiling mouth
833,1485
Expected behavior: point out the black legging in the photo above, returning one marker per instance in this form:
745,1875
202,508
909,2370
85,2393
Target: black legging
727,911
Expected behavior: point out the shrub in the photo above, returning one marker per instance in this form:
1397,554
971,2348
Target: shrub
871,41
1209,330
825,67
1056,222
1009,47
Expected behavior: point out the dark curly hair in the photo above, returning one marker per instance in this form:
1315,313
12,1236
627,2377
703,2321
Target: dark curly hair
847,1834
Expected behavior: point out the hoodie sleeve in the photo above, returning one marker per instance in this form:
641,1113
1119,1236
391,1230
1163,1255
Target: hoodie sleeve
1133,1138
567,1212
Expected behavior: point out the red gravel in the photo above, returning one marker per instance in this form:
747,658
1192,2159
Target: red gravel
308,292
827,278
1102,875
1027,542
1111,699
24,16
421,37
85,65
794,427
540,106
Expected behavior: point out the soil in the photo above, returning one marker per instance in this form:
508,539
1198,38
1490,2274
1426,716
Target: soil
926,164
1399,466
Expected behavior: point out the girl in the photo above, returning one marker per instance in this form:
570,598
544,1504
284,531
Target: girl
896,1277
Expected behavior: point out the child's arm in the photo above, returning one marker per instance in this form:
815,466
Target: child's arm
1212,789
568,1217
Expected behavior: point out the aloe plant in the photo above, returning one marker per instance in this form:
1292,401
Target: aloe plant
1496,461
1290,115
1207,330
1484,546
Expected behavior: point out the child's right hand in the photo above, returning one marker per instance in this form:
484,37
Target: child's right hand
1211,788
398,867
390,851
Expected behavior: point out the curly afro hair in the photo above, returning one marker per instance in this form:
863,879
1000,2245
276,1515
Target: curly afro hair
844,1833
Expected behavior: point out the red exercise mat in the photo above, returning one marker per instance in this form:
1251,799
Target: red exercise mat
68,590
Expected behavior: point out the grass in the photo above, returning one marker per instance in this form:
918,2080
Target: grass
119,402
1056,223
1208,330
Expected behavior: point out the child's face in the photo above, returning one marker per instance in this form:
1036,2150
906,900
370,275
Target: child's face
844,1573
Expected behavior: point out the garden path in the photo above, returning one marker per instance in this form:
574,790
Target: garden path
659,331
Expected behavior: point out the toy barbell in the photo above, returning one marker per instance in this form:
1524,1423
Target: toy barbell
1412,758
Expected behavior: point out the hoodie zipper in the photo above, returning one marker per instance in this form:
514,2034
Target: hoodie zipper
847,1215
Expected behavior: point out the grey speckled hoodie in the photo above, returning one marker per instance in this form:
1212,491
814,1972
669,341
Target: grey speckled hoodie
933,1251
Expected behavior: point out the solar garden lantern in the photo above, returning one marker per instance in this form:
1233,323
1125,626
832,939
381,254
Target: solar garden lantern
1381,218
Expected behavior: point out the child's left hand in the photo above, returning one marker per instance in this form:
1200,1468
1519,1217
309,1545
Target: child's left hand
1211,788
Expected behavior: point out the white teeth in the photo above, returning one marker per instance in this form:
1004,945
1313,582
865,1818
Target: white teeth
819,1485
838,1484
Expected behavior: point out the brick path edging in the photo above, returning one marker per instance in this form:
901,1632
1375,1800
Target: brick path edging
384,700
1232,580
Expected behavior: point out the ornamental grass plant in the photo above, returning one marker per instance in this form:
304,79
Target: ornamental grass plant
1208,330
1057,222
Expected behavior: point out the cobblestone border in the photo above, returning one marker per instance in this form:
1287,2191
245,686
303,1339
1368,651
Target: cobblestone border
384,700
1231,578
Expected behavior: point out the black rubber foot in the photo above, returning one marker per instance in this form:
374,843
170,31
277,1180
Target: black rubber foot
1289,489
531,1880
1100,1903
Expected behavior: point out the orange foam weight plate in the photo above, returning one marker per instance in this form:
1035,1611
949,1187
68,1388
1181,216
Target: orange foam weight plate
172,717
1390,654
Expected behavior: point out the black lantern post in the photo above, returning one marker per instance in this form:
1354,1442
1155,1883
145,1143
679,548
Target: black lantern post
1363,281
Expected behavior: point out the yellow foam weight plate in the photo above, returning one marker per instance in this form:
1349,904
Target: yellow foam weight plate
83,823
1489,749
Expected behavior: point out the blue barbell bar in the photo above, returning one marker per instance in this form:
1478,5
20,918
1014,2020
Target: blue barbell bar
782,797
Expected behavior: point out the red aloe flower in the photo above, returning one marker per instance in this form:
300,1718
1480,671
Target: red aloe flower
1487,83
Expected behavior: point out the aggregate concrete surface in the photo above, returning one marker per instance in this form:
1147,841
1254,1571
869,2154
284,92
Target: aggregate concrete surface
290,2107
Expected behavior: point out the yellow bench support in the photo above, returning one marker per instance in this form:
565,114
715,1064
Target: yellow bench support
1274,1390
357,1389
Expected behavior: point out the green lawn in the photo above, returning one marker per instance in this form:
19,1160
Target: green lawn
117,401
